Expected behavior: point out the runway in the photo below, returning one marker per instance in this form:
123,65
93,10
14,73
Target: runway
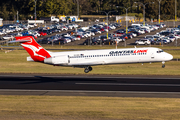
91,85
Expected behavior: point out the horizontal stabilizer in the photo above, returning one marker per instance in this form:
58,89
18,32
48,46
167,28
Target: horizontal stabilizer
20,41
30,59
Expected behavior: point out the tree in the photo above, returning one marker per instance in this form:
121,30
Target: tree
49,6
4,12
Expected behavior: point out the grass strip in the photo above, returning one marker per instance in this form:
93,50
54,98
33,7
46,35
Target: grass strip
88,108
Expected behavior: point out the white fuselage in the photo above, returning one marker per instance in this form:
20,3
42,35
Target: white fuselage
108,56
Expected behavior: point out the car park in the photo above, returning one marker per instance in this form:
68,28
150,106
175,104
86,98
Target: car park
89,31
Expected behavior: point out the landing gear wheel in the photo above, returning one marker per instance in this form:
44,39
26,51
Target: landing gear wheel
163,66
86,70
90,68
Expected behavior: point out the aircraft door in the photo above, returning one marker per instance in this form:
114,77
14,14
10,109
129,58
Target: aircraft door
152,55
68,59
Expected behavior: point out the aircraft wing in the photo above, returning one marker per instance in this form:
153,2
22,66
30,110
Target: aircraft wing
93,63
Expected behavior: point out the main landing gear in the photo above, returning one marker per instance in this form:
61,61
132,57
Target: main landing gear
87,69
163,64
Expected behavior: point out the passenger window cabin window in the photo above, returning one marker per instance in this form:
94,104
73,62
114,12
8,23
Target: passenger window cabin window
160,51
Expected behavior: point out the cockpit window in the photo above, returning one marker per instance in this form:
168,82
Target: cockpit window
160,51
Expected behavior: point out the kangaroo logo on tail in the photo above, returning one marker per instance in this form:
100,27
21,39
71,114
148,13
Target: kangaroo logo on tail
36,52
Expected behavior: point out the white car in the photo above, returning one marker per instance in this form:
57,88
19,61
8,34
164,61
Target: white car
1,33
141,31
112,27
75,38
167,39
36,34
155,27
7,37
146,29
30,25
8,31
134,35
86,34
91,33
143,42
117,39
63,28
70,27
75,25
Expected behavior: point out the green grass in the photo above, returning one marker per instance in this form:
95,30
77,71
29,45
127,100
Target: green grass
15,62
88,108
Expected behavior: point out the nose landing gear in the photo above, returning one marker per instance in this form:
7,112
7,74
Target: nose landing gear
163,64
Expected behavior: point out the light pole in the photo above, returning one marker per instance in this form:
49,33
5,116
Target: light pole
77,8
35,10
159,11
17,16
175,15
126,16
144,10
107,19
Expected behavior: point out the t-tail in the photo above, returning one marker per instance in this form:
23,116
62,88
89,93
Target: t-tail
36,52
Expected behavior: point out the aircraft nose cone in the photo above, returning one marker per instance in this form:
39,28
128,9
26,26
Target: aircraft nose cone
169,57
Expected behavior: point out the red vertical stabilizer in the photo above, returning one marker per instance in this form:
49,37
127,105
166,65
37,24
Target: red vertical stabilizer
36,52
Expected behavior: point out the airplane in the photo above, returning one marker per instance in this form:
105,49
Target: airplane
87,58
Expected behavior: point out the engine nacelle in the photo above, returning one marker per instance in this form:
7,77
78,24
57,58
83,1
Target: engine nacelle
57,60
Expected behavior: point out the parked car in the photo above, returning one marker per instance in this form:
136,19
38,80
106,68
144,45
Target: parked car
143,42
109,42
60,42
8,37
118,39
42,33
91,42
160,42
44,41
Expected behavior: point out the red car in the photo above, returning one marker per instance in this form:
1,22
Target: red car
42,33
78,36
102,30
105,27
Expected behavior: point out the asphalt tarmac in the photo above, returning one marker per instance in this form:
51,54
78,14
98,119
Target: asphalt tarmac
90,85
